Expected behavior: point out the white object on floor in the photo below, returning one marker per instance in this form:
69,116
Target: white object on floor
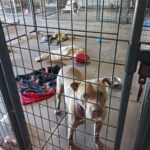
42,57
5,119
64,53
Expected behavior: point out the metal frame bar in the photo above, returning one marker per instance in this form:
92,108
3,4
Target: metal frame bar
130,67
11,97
33,15
143,134
18,37
15,10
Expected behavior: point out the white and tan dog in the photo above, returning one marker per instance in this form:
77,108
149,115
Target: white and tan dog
84,100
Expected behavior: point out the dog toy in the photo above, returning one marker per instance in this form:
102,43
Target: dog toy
81,57
60,36
49,39
98,40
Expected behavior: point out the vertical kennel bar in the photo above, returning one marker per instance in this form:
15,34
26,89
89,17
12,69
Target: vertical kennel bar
130,67
11,97
15,11
10,109
143,135
33,14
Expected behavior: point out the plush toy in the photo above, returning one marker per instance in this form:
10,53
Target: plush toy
60,36
81,57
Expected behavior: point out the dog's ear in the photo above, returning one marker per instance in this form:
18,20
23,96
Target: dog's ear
106,80
74,85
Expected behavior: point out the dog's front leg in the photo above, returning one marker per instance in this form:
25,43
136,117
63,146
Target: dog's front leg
71,129
97,128
58,96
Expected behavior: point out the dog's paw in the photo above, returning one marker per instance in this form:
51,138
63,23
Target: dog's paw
99,145
57,112
71,148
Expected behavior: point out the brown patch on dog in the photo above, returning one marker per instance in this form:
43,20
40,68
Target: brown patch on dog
92,92
106,80
75,86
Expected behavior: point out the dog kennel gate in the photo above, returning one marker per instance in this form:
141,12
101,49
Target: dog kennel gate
9,91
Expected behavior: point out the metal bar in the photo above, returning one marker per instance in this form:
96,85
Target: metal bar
4,124
88,31
19,36
114,61
23,62
113,39
10,109
56,28
85,68
46,16
33,15
15,38
11,98
15,11
144,126
97,11
49,116
130,68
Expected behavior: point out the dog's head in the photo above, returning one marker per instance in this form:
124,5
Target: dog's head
91,96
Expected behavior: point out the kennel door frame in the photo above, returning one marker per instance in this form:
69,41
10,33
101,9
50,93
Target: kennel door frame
11,97
132,58
143,134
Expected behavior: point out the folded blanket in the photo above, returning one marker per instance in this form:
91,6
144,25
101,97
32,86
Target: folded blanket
37,85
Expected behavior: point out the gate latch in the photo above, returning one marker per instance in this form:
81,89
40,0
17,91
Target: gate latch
144,72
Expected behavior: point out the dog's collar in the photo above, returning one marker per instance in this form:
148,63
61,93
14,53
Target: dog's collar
79,107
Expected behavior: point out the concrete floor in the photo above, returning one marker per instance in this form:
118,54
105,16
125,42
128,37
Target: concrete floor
78,22
47,130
